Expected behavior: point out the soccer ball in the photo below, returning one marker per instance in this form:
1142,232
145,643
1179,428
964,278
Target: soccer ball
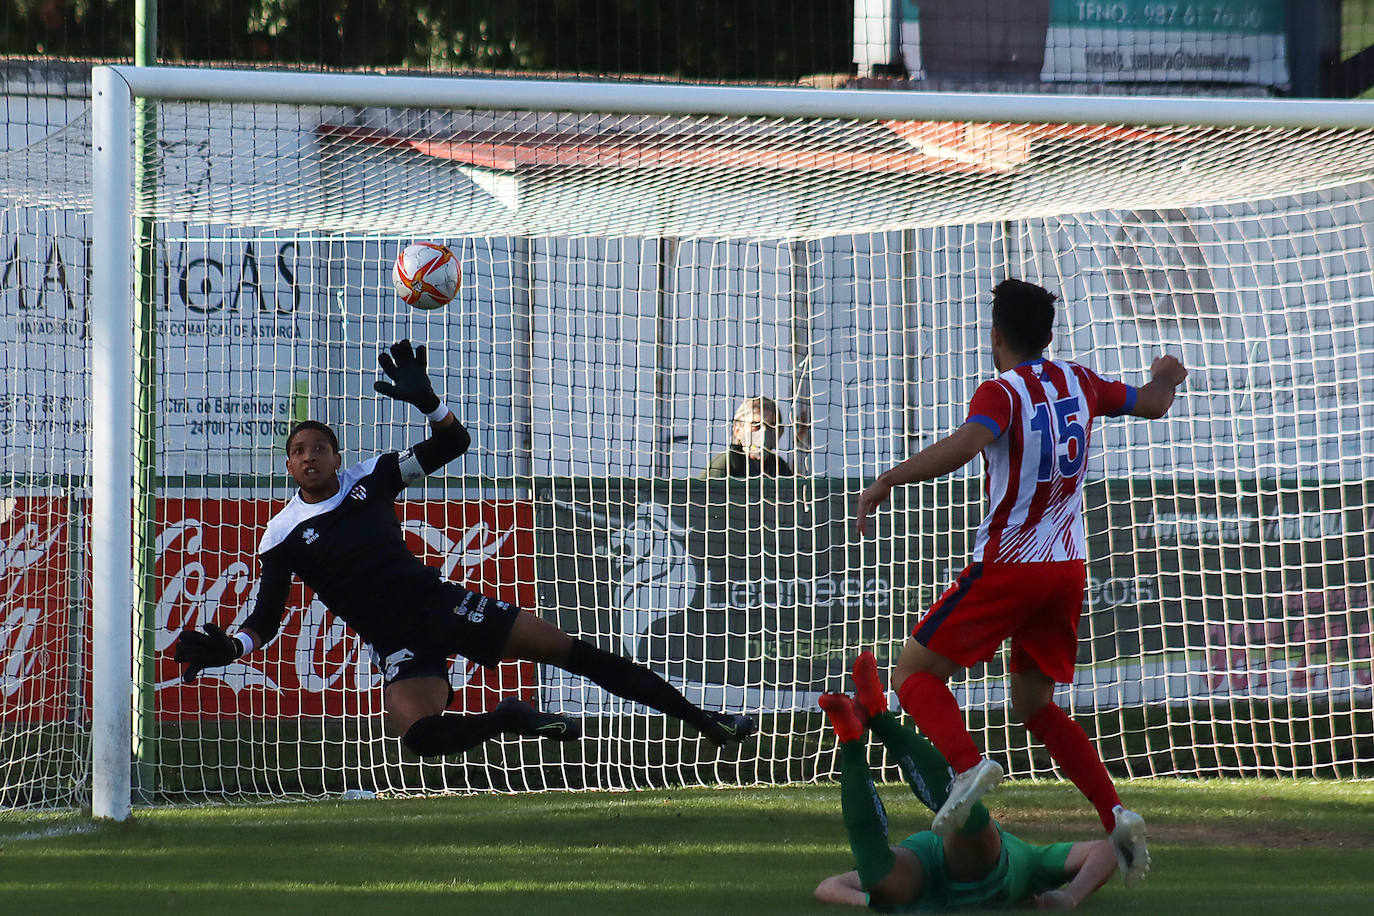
426,275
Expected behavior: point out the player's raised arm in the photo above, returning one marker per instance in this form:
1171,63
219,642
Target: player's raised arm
409,382
1155,397
935,460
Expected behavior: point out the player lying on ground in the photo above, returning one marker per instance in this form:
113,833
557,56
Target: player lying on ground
978,865
340,535
1032,424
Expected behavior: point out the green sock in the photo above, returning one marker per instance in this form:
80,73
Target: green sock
925,769
865,820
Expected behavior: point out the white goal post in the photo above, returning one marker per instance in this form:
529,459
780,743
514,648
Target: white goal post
832,249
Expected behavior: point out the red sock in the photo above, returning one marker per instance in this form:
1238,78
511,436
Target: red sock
928,701
1076,756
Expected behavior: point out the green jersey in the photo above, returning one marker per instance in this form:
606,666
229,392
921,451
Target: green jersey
1021,871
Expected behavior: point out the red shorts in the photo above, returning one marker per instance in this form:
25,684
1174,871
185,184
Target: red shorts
1036,604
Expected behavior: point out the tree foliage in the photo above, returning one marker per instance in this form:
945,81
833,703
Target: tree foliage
768,40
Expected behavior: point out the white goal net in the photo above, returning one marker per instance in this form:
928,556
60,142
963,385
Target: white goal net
629,278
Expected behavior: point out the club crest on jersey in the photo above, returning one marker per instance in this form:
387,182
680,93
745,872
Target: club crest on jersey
310,535
391,665
475,612
359,493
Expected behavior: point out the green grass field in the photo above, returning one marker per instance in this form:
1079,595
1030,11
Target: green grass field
1260,846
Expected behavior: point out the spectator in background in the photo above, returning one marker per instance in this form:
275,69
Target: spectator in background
753,439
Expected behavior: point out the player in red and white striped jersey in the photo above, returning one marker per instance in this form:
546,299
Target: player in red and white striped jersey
1032,424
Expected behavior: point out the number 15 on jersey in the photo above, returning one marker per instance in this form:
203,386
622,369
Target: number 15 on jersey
1063,440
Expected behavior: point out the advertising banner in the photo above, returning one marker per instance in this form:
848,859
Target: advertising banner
1221,41
207,572
1095,41
743,593
238,320
758,593
43,633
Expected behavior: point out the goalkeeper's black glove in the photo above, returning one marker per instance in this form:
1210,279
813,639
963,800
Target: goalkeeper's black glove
406,369
197,651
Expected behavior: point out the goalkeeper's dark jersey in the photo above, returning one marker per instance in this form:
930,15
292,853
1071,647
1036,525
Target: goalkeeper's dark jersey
349,549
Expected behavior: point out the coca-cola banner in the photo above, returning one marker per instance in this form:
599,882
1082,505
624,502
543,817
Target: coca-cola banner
206,572
41,626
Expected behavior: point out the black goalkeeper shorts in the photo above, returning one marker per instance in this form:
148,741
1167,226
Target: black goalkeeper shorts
461,622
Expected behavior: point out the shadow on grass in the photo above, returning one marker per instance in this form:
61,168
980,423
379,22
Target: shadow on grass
750,852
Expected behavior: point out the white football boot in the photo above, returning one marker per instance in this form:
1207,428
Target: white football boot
966,790
1128,842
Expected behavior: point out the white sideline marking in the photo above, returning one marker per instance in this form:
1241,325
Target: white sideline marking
49,833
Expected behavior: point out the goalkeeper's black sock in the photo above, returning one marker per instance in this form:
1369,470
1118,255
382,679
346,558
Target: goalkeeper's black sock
524,719
436,736
626,679
441,735
926,771
865,820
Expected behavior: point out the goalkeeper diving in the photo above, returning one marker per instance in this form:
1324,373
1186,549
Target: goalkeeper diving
978,865
341,537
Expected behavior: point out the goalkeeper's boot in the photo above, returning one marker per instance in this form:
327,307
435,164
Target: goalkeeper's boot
726,729
968,788
1128,842
845,716
523,719
868,687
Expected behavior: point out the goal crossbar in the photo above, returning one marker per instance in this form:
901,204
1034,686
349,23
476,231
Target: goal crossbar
769,102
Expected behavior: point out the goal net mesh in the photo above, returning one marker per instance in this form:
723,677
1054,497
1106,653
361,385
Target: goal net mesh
626,282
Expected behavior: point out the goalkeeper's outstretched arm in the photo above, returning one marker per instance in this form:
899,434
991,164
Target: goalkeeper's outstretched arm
405,367
448,440
262,625
214,648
